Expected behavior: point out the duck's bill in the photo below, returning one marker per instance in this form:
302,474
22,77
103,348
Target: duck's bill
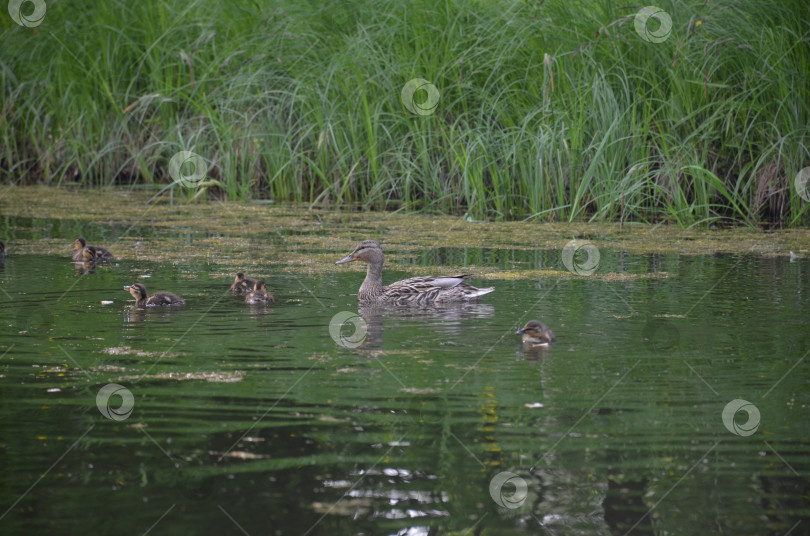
127,287
347,258
521,331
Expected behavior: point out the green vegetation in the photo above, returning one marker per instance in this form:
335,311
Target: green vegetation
550,110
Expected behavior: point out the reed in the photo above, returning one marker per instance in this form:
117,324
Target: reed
552,110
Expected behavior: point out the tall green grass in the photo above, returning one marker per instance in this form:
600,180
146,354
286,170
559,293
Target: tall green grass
552,110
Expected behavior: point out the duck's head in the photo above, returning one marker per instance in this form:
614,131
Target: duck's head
239,278
368,251
137,290
79,244
88,254
536,330
259,286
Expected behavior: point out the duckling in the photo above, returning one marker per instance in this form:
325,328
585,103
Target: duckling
138,292
421,291
80,251
83,252
2,251
536,334
242,285
259,294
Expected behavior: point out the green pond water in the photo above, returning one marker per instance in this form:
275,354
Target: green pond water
259,420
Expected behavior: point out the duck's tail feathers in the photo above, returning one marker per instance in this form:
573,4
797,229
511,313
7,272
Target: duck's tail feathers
476,292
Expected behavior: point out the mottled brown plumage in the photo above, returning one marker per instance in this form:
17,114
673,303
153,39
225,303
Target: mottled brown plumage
259,294
242,285
138,292
425,290
85,253
536,333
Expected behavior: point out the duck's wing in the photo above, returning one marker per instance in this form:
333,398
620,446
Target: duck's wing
424,283
431,289
101,252
450,281
165,298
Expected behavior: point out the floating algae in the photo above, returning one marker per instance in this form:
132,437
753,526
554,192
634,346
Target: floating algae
245,236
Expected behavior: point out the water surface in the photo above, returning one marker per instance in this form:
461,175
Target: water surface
255,420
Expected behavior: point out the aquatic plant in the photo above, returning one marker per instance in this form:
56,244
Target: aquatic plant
554,111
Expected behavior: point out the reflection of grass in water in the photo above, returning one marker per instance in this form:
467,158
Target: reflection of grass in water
32,318
556,110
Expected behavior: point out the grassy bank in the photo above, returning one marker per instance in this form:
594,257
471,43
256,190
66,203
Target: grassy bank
551,110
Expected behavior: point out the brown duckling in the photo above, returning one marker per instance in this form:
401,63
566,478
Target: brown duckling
259,294
85,253
535,334
420,291
242,285
138,292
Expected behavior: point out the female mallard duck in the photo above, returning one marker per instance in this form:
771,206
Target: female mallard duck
259,294
414,291
84,253
242,285
138,292
536,334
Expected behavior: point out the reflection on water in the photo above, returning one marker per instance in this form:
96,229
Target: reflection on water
315,415
134,313
85,267
450,319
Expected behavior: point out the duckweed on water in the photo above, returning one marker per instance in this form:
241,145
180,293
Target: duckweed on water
239,235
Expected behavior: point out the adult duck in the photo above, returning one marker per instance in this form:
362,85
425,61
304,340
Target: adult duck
426,290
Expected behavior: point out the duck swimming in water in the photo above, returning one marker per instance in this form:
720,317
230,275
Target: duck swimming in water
85,253
138,292
536,334
259,294
242,285
427,290
2,251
